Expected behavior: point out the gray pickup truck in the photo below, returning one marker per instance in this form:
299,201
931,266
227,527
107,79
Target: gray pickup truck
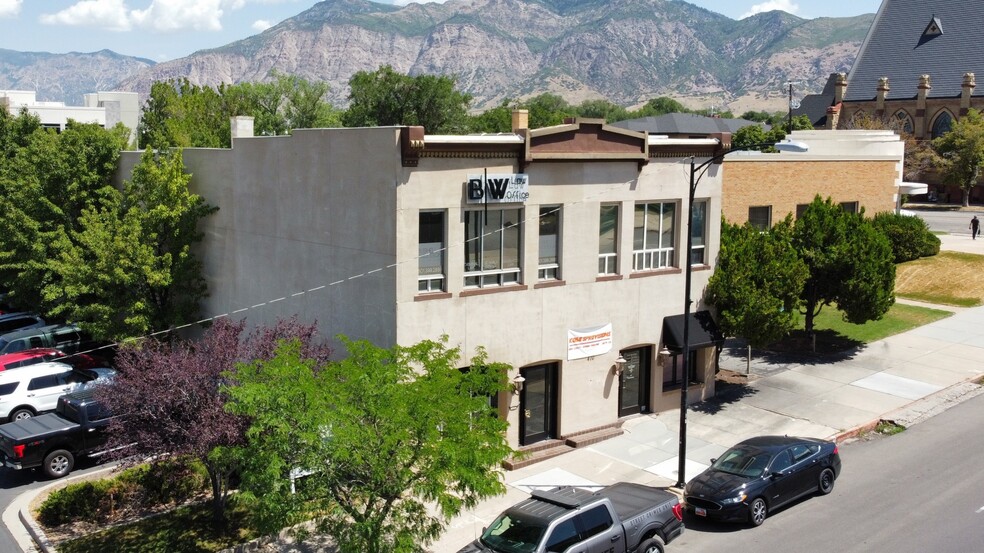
621,518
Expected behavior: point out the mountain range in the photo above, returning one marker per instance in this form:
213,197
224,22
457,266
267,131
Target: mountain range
626,51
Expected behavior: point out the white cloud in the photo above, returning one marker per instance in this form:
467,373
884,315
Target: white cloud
104,14
784,5
10,8
159,16
179,15
261,25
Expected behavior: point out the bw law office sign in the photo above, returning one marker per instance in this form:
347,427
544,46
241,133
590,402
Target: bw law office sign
497,188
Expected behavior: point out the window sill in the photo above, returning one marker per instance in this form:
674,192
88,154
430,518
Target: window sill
549,284
608,278
657,272
427,296
700,268
495,290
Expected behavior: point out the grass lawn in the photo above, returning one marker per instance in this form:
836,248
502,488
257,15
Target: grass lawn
834,334
184,530
949,278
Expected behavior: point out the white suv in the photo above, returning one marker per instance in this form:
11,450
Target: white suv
27,391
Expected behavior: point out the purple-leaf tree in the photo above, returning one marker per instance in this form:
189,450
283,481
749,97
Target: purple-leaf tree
171,401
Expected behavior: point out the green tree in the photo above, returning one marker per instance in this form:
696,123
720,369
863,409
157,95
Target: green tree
757,282
383,435
386,97
745,137
602,109
850,263
661,106
547,110
961,153
52,179
494,120
129,267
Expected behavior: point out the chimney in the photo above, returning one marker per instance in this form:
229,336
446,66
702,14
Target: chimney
968,88
520,119
242,126
840,87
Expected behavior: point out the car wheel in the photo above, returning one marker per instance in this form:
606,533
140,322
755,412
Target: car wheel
58,463
21,414
652,545
826,483
757,511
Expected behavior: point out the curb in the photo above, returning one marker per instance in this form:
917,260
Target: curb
22,503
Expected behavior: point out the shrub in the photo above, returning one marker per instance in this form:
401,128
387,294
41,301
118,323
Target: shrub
909,236
146,486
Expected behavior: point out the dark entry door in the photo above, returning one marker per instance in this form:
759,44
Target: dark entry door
633,383
538,404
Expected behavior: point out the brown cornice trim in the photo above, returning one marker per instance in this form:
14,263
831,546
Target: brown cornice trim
433,296
411,144
609,278
659,272
550,284
497,290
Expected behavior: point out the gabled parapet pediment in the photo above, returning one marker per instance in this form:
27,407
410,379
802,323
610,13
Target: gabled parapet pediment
587,140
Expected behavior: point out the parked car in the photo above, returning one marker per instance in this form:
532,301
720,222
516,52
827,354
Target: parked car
28,391
620,518
67,338
54,441
9,322
761,474
29,357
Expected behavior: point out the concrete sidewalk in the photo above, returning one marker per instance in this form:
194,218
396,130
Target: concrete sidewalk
904,378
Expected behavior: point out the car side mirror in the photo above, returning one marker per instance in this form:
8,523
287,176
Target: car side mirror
713,461
778,474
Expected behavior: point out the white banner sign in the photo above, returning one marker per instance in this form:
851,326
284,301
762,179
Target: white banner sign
499,188
588,342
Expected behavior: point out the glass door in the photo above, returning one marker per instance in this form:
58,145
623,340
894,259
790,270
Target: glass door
633,383
538,404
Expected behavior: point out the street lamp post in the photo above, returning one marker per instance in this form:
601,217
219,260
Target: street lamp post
696,173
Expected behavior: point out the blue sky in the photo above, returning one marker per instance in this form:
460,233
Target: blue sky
167,29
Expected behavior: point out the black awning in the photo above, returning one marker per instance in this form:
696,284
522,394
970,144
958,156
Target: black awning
703,331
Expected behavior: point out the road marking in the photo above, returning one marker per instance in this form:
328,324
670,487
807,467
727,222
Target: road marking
979,511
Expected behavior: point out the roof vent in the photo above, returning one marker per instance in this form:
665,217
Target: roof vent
935,28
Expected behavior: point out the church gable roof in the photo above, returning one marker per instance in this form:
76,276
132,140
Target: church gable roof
907,39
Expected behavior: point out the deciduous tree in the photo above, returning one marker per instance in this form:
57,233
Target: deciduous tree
171,395
850,263
393,441
961,153
757,282
129,268
386,97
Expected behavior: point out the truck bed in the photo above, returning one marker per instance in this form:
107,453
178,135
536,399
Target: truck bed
631,500
35,427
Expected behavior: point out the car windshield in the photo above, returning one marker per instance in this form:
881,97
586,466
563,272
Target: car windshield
742,461
511,534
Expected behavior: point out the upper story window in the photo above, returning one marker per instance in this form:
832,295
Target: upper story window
850,207
760,217
549,264
800,210
942,124
431,248
493,247
608,240
698,233
653,236
905,122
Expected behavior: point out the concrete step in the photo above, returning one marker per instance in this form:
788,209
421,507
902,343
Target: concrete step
541,451
594,436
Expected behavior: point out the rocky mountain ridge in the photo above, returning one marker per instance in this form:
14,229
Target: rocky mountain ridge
626,51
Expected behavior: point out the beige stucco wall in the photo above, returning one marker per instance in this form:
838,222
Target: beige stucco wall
530,326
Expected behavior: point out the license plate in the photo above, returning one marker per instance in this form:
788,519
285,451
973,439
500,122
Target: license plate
700,512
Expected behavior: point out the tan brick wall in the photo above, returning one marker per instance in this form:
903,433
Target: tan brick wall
786,184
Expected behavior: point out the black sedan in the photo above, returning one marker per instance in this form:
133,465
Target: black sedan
762,474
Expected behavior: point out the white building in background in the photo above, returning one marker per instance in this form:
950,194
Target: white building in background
103,108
